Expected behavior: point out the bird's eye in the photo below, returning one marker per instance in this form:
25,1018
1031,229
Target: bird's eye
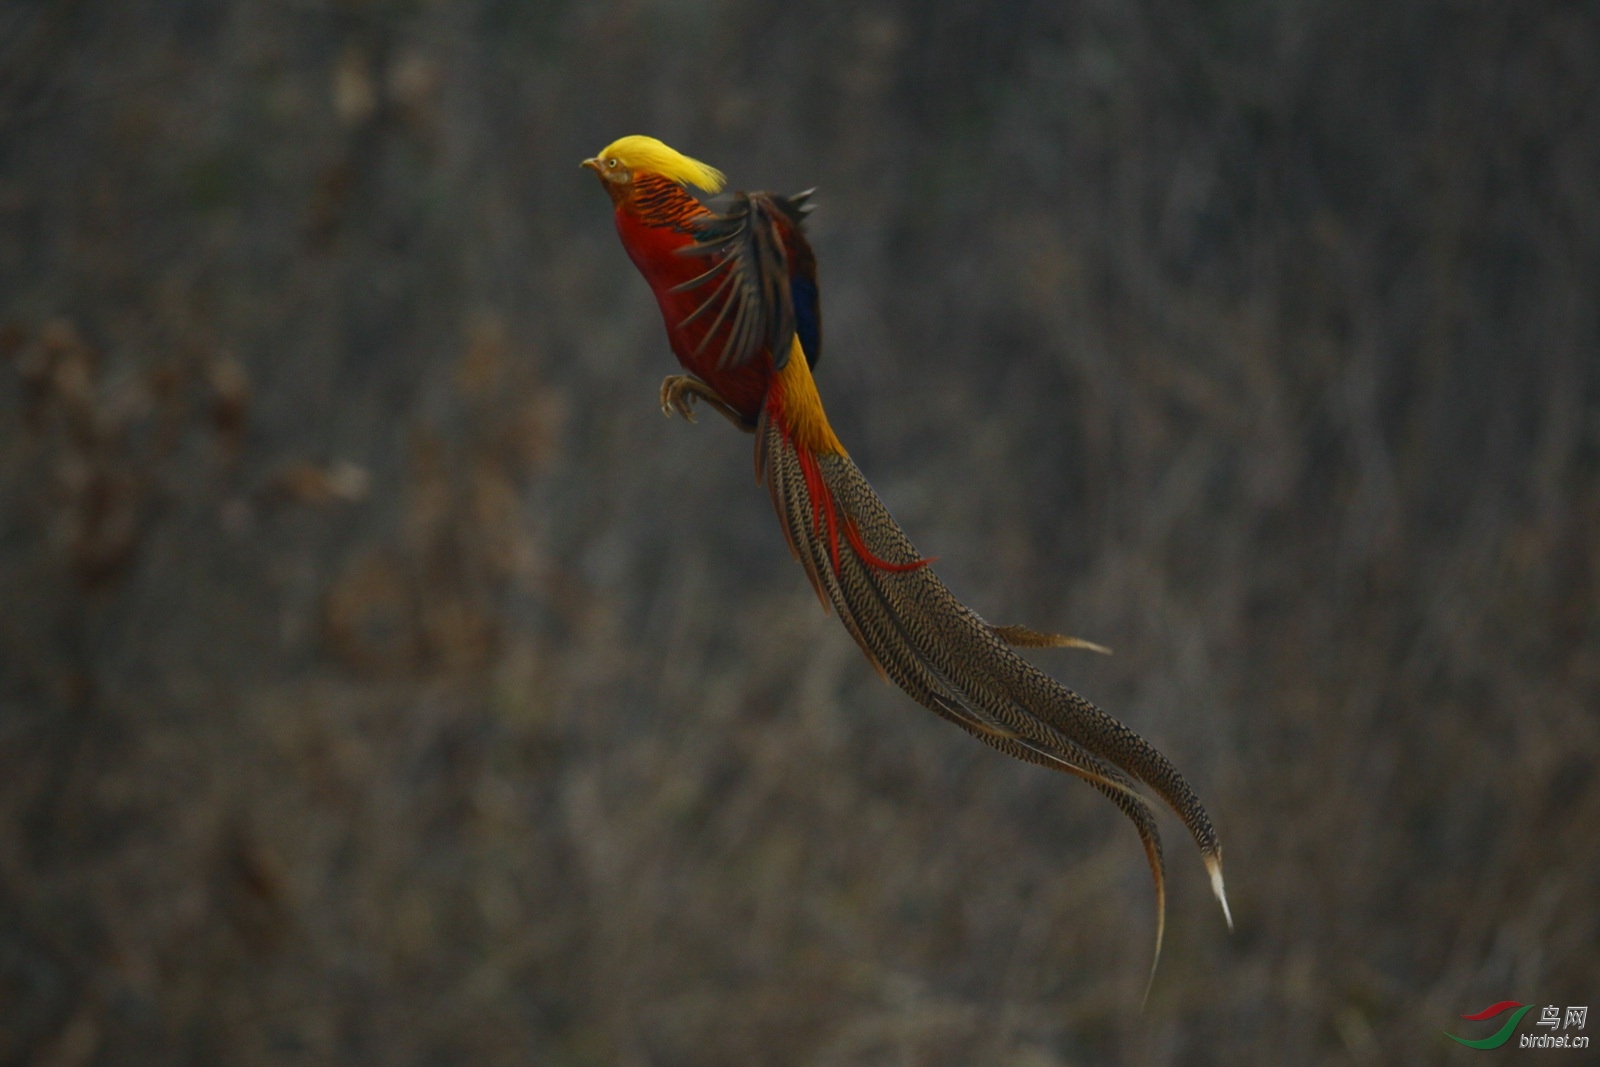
611,163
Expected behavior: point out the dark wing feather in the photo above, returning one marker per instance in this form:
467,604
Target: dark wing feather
761,287
803,278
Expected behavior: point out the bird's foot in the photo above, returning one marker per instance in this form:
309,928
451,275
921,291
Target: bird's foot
679,392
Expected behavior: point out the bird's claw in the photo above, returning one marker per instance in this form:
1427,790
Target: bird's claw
679,392
677,395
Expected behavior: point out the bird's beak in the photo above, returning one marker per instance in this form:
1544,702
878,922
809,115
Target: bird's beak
592,164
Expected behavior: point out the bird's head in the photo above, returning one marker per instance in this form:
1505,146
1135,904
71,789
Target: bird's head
619,162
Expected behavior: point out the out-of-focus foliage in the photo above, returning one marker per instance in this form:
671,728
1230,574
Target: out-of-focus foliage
383,680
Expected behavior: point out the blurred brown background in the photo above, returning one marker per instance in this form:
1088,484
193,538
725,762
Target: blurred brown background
384,681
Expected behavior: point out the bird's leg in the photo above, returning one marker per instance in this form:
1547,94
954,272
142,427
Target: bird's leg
679,392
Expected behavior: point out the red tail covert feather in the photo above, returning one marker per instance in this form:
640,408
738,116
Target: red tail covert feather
824,508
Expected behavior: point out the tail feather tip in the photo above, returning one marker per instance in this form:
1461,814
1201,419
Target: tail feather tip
1214,868
1155,957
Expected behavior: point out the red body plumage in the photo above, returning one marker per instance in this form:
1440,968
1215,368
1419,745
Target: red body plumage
654,220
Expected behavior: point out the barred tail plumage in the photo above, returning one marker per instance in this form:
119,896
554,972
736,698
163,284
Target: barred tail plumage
914,630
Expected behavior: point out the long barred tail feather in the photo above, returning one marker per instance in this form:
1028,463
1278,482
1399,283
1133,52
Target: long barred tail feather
947,658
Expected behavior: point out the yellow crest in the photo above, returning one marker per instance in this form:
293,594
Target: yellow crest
646,155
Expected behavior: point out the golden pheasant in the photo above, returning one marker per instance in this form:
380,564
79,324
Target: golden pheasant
738,292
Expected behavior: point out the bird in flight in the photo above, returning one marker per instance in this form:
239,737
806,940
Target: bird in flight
738,292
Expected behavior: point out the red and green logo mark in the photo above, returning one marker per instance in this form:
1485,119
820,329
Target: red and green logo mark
1502,1035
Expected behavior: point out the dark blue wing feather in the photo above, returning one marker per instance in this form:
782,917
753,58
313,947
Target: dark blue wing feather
807,314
